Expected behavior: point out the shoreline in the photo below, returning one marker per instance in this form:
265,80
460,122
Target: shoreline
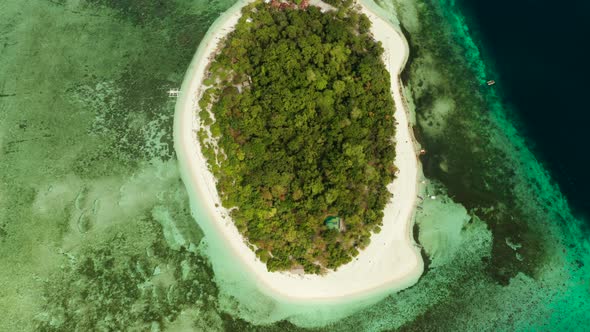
392,261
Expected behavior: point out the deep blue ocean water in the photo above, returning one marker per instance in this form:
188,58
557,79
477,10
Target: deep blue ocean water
539,56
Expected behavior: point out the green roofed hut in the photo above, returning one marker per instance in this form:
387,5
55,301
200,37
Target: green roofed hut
332,222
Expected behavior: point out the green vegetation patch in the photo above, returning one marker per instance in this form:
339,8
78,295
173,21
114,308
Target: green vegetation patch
299,126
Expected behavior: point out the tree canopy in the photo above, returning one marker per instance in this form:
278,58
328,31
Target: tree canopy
297,125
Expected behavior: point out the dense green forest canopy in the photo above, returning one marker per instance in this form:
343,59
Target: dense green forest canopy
297,126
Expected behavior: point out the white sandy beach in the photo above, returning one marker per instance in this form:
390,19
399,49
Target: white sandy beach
391,262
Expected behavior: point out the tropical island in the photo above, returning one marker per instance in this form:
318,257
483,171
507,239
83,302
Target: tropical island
295,146
297,127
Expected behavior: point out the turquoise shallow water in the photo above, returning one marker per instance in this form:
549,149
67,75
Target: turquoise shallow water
95,226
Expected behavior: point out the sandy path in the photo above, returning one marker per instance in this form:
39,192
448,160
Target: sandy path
391,262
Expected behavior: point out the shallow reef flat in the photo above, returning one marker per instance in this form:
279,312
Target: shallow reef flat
92,211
